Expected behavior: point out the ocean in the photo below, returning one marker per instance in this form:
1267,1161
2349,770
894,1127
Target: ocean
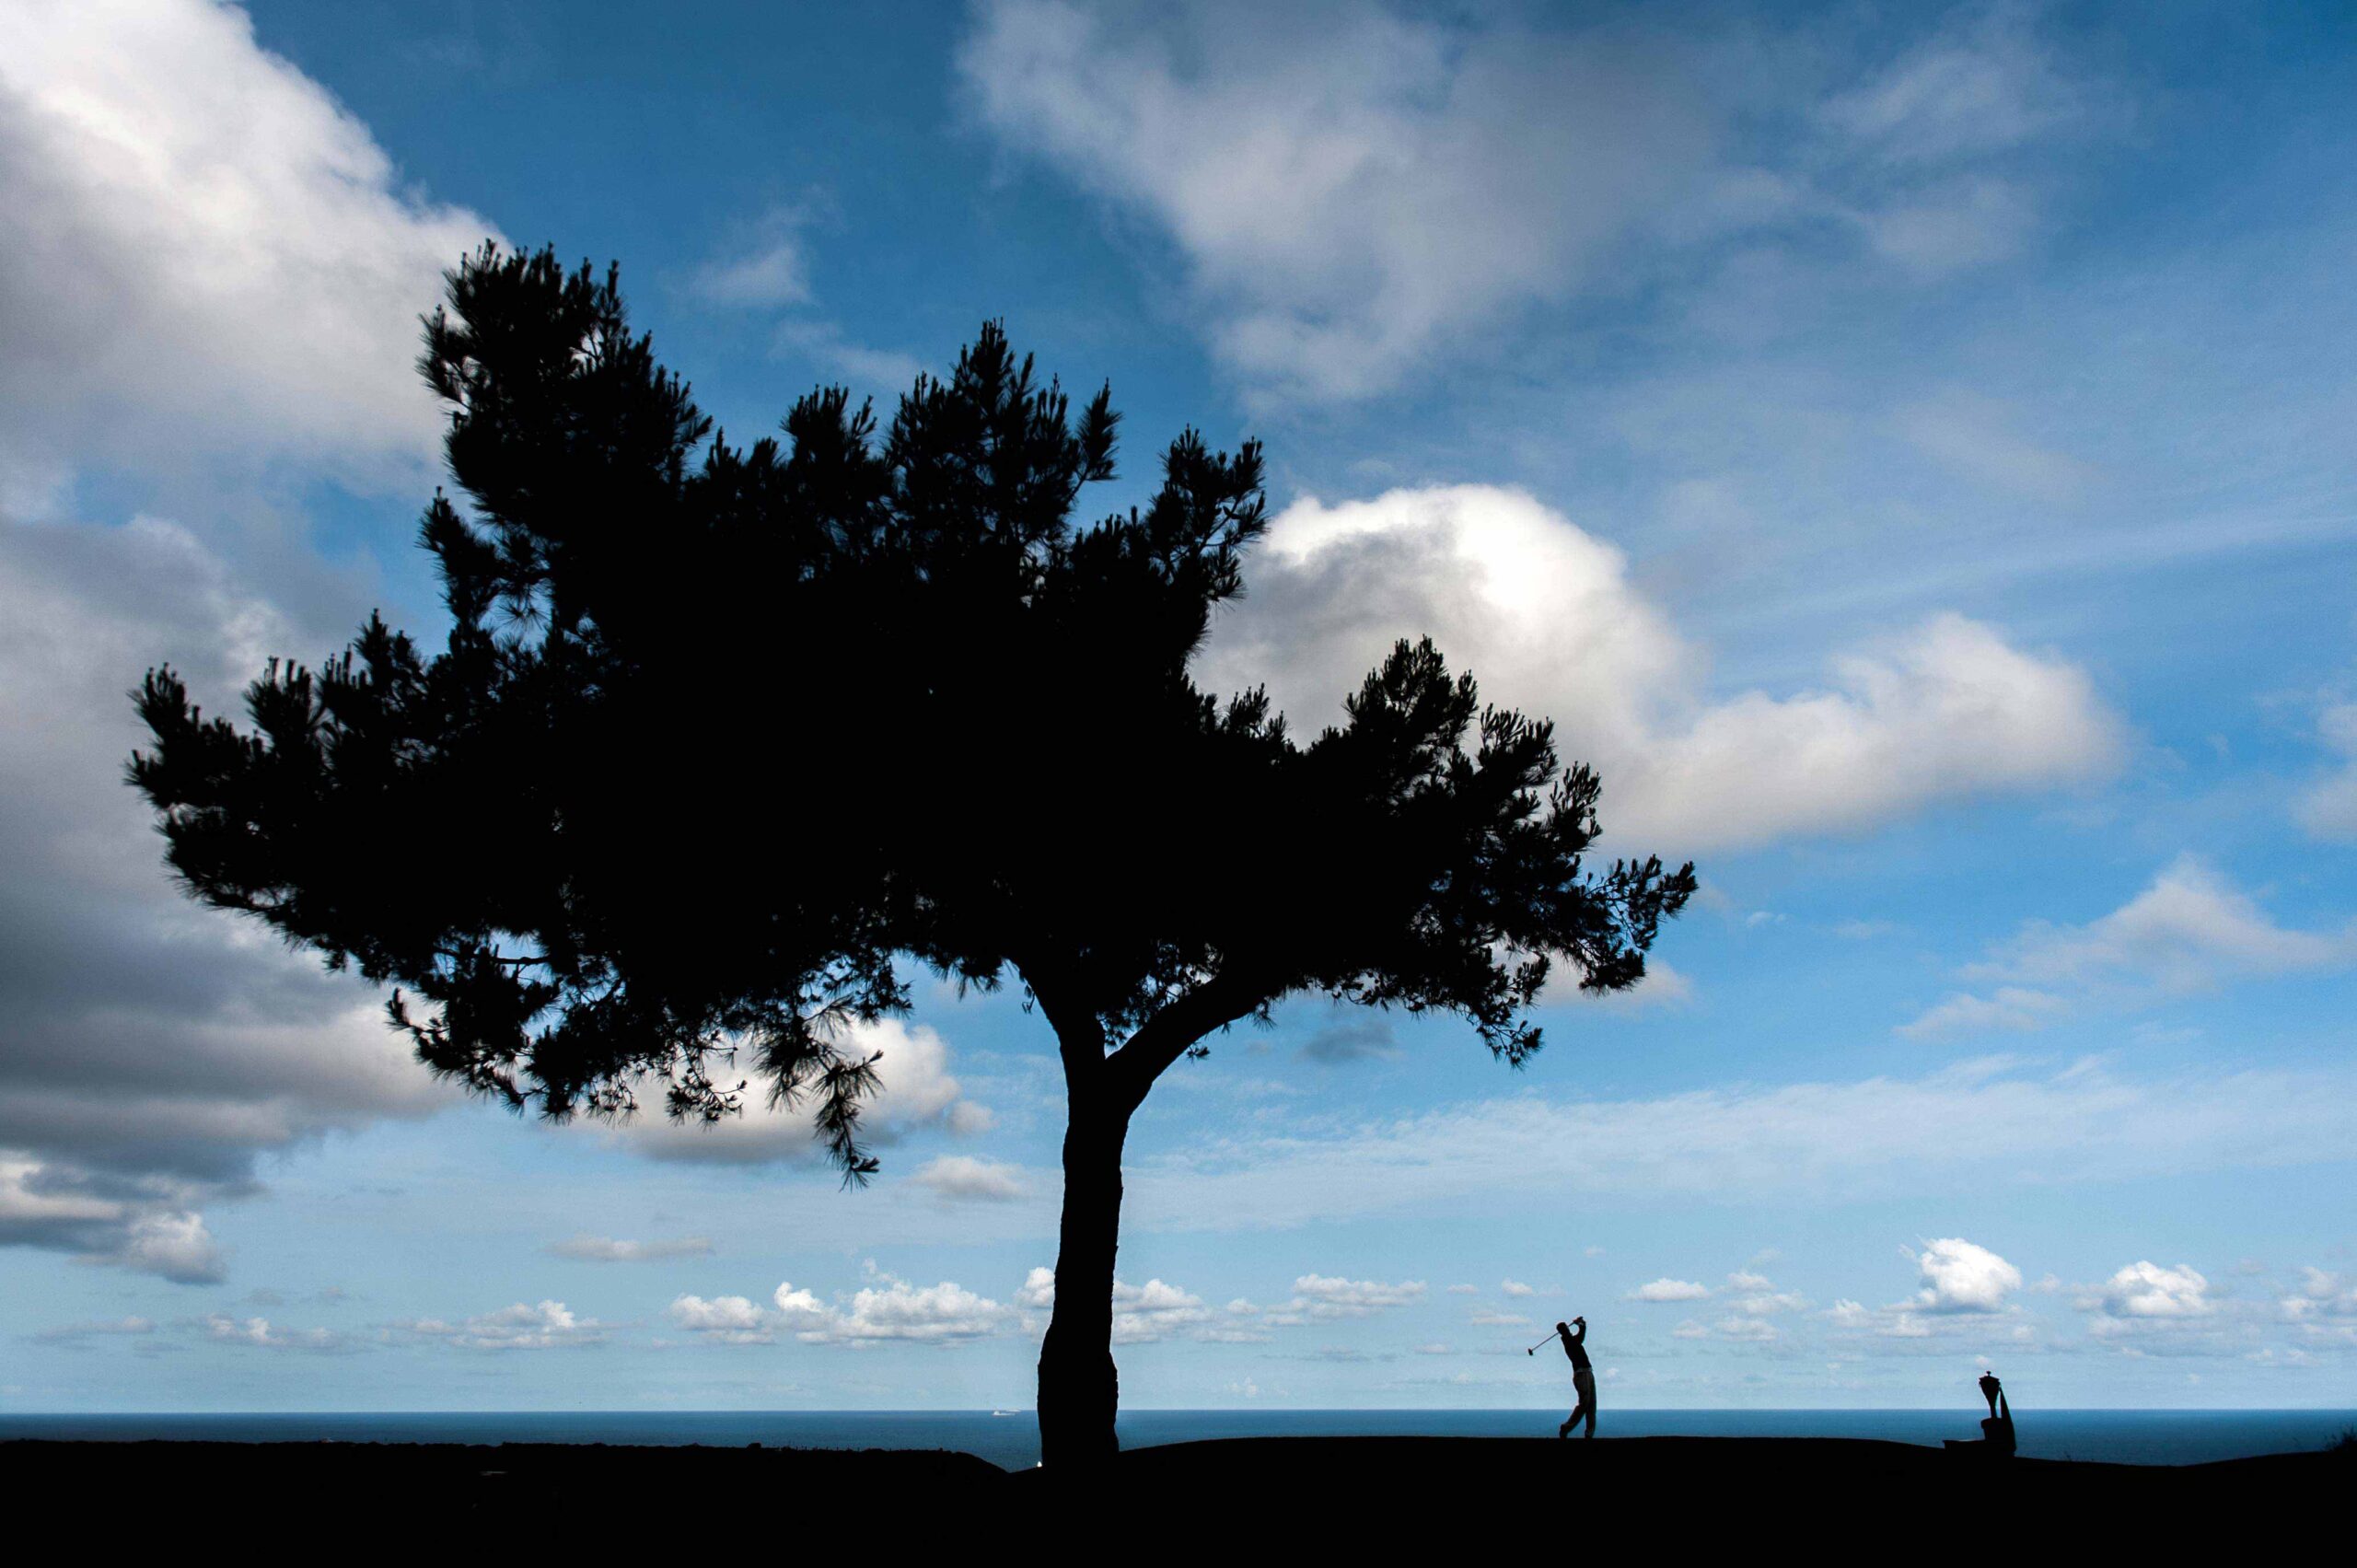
1011,1438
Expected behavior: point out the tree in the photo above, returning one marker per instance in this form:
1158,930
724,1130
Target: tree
720,735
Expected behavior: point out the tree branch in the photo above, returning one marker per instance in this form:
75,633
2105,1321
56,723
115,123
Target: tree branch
1165,1037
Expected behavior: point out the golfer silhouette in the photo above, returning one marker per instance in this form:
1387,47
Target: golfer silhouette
1583,1376
1989,1390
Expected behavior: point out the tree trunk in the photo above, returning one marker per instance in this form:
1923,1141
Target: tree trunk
1079,1390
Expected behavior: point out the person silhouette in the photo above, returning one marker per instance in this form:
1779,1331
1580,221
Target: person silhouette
1583,1376
1997,1432
1989,1390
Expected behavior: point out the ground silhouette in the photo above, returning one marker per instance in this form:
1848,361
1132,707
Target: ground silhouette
1241,1496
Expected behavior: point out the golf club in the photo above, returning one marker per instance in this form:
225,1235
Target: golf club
1534,1349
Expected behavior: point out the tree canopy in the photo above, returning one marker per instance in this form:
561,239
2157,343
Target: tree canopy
722,737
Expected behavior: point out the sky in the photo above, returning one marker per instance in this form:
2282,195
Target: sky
1907,450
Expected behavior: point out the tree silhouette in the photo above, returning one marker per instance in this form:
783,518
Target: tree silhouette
719,734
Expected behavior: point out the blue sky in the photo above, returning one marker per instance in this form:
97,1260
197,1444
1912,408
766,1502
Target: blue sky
1907,450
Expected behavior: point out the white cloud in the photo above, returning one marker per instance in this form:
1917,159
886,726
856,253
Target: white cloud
2187,932
888,372
1978,84
1544,616
545,1325
132,1326
1821,1142
886,1308
767,269
918,1092
1754,1295
1516,1287
1152,1311
1321,1296
1974,437
1746,1329
892,1308
150,1048
177,1247
963,1176
2328,809
1349,186
261,1334
726,1320
1353,189
2008,1008
2148,1289
1669,1290
2323,1307
1961,1276
607,1250
2190,929
206,254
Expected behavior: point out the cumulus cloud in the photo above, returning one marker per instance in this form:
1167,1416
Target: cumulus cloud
1353,189
150,1048
175,1247
2189,931
1962,1276
1157,1311
892,1308
608,1250
1152,1311
545,1325
1756,1296
2147,1290
1544,615
1964,1299
884,1308
1751,1298
918,1092
259,1333
2323,1307
1321,1296
206,254
2147,1309
724,1319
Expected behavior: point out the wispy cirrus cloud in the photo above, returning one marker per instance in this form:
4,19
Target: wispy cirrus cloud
1354,191
610,1250
1822,1141
2189,930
